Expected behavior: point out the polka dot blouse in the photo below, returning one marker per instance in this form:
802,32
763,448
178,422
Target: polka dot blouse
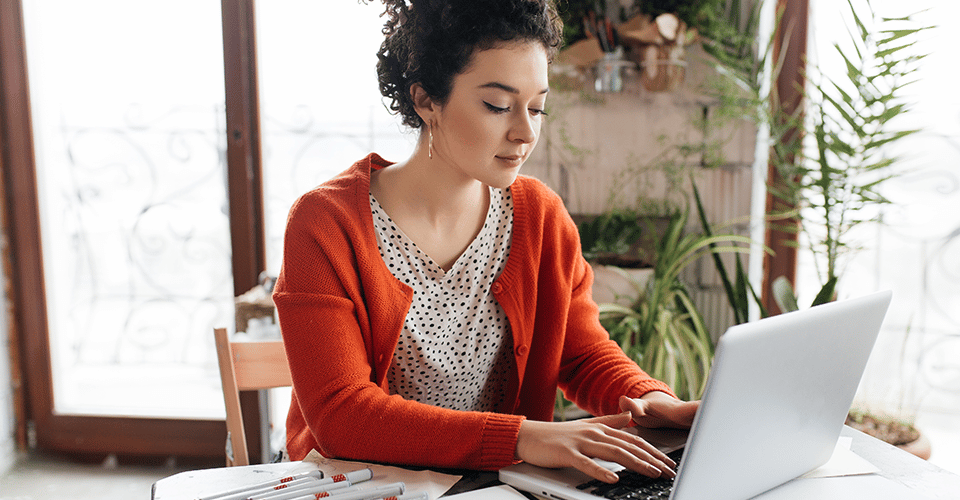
455,350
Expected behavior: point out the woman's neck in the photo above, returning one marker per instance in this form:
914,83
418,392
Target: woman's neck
430,191
439,211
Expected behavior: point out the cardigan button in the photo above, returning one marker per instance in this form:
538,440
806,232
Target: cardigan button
496,288
522,350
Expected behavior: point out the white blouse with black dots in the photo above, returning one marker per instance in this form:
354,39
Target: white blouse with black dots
455,348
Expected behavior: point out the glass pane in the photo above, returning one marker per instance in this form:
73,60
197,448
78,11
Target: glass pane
914,370
320,106
128,110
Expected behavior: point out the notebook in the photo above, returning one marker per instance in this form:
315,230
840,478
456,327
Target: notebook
775,403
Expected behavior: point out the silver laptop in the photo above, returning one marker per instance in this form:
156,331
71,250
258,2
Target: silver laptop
773,408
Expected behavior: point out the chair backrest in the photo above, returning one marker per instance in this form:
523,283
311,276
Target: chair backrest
246,366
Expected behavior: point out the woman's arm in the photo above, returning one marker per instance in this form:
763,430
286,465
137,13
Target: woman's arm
594,372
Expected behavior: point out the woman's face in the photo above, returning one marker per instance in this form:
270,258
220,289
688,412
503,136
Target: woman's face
491,121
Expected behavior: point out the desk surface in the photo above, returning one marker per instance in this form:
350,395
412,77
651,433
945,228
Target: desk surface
904,468
894,464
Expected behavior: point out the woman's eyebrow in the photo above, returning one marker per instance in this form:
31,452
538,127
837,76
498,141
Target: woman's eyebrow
507,88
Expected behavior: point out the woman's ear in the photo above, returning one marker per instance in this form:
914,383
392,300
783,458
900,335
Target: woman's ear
423,104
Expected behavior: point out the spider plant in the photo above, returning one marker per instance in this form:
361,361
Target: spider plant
663,331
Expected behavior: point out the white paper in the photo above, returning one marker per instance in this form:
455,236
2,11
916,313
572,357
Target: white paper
433,483
502,492
190,485
843,462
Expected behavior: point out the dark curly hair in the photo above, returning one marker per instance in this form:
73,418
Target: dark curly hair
431,41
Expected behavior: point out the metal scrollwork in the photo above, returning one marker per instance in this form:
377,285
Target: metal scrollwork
144,208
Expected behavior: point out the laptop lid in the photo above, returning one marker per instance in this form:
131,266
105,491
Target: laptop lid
773,409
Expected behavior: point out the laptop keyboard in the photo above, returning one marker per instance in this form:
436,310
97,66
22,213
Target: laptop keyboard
633,486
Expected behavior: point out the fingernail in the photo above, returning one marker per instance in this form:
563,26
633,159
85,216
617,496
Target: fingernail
669,472
612,477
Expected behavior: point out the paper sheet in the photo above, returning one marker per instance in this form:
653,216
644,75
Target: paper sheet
843,462
433,483
502,492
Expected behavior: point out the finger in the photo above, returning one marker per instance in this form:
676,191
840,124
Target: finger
648,448
640,451
664,413
591,468
630,457
617,421
642,413
631,405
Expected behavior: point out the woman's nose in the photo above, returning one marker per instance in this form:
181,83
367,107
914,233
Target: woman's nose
524,129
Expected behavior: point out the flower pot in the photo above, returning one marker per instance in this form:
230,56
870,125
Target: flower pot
919,447
897,433
618,285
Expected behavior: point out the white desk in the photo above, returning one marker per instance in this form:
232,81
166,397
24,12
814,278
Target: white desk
920,476
901,467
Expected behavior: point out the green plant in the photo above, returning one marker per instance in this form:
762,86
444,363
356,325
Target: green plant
786,298
731,35
692,12
663,331
837,184
739,291
612,234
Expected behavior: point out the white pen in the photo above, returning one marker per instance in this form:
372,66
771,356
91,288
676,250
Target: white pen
326,494
299,489
245,491
386,491
410,496
324,485
304,489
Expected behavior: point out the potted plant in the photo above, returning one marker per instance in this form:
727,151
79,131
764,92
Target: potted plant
653,317
837,184
662,329
619,252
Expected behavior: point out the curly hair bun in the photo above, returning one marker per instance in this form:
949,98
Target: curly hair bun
431,41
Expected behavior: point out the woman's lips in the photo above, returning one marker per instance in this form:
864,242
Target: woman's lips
512,160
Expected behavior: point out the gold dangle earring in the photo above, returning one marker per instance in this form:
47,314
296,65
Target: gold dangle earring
430,143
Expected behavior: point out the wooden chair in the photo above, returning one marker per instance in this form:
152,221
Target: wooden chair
246,366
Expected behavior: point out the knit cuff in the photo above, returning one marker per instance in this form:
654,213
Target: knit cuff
499,436
650,385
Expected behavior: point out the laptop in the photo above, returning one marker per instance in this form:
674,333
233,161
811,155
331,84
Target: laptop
773,408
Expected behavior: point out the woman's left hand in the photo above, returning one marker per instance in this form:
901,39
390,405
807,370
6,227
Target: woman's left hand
659,409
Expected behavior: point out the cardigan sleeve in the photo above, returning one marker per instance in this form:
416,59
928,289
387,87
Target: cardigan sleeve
594,371
329,335
597,370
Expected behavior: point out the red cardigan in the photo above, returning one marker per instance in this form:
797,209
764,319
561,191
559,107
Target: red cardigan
341,312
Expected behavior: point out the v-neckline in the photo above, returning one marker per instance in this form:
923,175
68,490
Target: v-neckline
436,271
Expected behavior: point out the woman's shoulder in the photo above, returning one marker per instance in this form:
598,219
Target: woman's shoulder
535,193
537,204
339,198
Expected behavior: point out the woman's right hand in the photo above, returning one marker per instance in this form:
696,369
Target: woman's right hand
575,443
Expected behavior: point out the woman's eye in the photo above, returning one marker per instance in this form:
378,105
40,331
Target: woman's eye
538,112
496,109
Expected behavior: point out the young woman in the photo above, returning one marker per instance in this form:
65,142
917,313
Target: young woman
430,308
